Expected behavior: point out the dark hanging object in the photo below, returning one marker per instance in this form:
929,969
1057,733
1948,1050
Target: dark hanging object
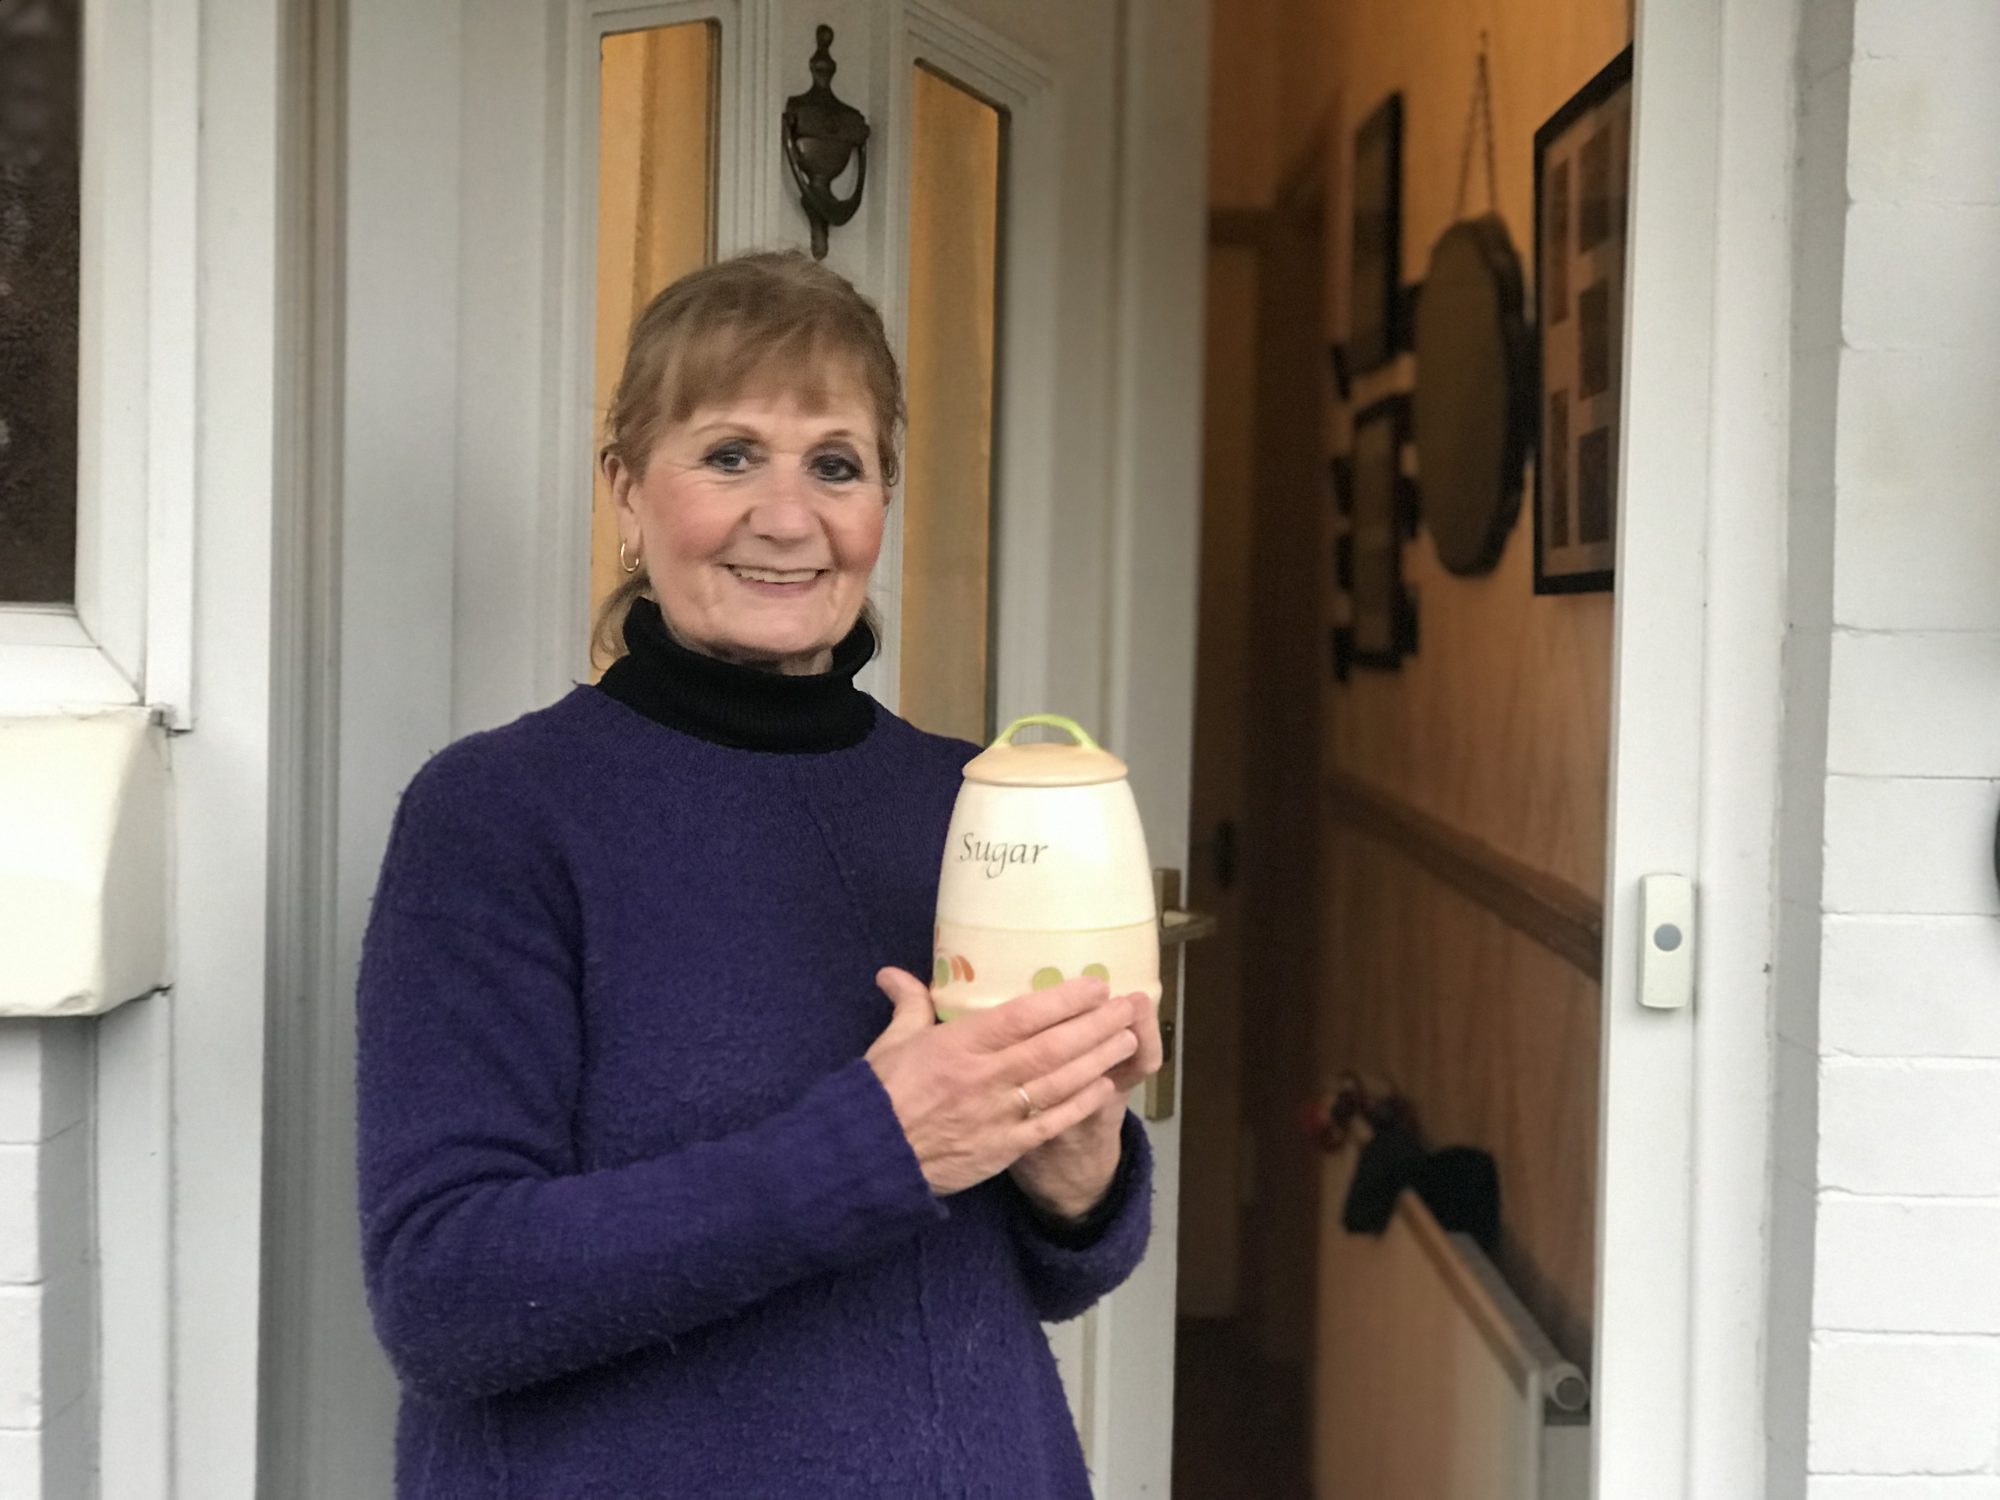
1343,378
1475,403
821,134
1380,506
1474,400
1340,646
1375,252
1385,1167
1460,1185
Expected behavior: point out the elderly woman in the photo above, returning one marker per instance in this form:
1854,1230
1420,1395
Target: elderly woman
670,1183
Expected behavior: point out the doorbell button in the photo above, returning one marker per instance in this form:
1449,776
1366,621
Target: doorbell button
1666,936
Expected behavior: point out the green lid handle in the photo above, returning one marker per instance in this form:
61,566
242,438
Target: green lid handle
1053,721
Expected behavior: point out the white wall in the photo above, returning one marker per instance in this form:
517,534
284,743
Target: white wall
1888,881
129,1317
46,1280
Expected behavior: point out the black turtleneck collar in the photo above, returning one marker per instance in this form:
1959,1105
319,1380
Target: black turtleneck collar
746,708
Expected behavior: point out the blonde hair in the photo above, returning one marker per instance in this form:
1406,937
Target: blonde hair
771,319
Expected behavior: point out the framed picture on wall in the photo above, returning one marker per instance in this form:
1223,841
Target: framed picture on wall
1582,160
1375,267
1380,504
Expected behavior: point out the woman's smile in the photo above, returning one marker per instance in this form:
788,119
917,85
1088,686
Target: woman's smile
782,583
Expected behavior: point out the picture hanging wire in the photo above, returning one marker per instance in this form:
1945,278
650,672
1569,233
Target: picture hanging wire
1478,118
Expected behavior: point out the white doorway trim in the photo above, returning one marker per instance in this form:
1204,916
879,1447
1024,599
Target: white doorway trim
1684,1138
1158,290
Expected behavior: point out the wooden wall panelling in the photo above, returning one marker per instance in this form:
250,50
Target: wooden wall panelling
1493,1037
1498,726
1566,921
1469,788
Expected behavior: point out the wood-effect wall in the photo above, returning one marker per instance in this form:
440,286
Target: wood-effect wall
1493,737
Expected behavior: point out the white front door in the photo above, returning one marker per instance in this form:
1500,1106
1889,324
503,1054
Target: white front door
473,309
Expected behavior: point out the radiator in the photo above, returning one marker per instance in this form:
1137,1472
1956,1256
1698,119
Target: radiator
1430,1380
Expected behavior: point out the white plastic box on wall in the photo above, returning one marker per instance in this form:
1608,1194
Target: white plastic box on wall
84,862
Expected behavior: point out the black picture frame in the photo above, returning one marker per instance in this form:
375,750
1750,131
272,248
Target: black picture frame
1380,504
1375,305
1343,381
1340,643
1340,478
1582,175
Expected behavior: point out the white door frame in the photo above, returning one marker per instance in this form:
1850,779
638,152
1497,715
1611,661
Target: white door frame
1160,291
1684,1141
1675,1199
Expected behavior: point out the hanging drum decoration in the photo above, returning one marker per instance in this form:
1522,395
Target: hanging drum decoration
1474,407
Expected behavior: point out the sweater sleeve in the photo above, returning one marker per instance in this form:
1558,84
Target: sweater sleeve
1069,1267
492,1262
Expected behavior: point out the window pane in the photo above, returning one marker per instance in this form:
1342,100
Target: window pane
947,586
656,146
40,65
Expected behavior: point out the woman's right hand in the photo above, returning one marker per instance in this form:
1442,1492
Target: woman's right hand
956,1089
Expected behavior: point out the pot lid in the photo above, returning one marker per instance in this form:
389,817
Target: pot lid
1084,763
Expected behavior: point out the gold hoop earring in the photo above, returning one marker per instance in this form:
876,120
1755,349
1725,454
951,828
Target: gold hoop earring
629,564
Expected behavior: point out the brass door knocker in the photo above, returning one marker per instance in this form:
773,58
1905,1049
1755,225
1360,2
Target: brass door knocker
820,134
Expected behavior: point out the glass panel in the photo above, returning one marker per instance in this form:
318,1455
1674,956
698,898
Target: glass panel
40,132
656,173
947,586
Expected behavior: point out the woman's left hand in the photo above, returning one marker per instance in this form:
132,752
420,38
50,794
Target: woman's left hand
1066,1175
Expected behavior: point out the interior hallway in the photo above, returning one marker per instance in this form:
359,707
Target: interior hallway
1326,803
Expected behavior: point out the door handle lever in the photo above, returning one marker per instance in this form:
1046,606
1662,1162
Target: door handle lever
1178,928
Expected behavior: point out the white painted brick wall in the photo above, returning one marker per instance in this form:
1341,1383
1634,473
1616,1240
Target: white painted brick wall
59,1458
47,1278
1908,251
1921,847
1942,1419
1910,987
1891,575
1904,1368
1902,1127
1915,703
1917,421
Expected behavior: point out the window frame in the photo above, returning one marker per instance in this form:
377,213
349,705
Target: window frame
128,636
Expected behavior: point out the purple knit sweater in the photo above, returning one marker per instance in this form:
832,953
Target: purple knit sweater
637,1220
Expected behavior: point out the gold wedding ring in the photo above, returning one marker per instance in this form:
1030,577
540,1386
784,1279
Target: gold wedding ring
1027,1103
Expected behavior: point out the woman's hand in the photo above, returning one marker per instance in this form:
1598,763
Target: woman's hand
957,1089
1067,1175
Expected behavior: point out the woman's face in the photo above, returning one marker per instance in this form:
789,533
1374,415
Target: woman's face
759,522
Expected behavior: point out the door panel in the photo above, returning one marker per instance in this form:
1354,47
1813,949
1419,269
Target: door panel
957,141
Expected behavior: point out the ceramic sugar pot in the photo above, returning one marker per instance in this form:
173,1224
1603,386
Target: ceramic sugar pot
1045,876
